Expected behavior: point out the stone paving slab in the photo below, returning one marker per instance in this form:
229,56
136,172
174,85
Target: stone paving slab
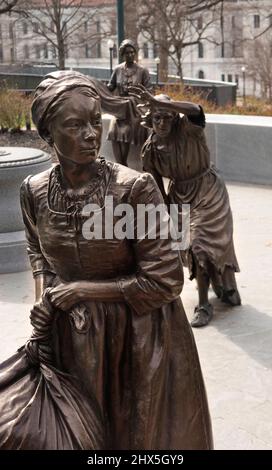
235,349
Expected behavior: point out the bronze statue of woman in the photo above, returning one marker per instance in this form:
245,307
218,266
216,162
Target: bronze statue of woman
119,327
177,150
124,132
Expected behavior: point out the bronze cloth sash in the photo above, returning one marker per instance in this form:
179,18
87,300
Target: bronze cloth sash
178,182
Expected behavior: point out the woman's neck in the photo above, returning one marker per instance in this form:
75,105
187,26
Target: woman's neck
162,141
75,175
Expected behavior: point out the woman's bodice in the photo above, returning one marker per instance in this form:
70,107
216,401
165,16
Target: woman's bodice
183,156
124,76
64,226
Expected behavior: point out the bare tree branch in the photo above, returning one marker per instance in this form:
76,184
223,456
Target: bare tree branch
183,24
63,23
7,5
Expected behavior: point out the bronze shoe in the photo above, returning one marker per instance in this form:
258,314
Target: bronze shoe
231,297
202,315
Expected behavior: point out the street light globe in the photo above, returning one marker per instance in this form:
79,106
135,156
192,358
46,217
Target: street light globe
110,44
243,69
157,60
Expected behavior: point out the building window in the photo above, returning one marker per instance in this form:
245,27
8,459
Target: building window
200,50
25,27
87,53
201,74
37,51
1,53
155,50
35,28
94,51
26,51
53,52
229,77
237,81
45,51
98,50
233,49
222,77
233,22
256,21
145,50
86,26
199,23
10,31
98,26
12,55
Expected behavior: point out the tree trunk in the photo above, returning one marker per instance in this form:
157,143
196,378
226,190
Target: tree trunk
59,33
179,62
61,52
61,59
163,54
163,69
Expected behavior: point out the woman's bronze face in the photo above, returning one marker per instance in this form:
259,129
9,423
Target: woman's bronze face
129,54
162,122
76,129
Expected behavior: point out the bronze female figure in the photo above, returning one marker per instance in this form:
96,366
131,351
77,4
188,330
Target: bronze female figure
123,133
177,150
119,325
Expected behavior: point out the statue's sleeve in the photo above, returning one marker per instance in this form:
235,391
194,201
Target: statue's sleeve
199,119
159,275
37,260
118,106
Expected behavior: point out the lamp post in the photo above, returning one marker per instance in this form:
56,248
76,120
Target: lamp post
243,70
157,62
110,46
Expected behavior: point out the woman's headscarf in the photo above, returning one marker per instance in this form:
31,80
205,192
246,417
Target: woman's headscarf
50,90
125,43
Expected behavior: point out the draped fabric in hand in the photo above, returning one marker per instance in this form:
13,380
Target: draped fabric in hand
42,408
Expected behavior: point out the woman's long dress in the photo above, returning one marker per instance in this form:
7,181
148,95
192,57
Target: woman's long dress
186,162
137,356
128,130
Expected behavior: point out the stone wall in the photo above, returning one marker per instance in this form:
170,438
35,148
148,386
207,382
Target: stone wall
240,146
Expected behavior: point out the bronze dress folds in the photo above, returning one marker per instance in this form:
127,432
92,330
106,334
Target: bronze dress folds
126,130
138,356
195,181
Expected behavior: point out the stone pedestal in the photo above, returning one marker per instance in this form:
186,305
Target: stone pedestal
16,163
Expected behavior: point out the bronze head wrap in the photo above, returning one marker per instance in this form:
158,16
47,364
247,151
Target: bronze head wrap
50,90
125,43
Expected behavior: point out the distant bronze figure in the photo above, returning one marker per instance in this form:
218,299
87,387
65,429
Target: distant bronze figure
124,132
119,327
177,150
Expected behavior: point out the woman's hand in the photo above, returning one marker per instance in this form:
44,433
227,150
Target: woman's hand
142,94
65,295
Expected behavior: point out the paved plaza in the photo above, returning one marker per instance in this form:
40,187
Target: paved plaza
235,349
